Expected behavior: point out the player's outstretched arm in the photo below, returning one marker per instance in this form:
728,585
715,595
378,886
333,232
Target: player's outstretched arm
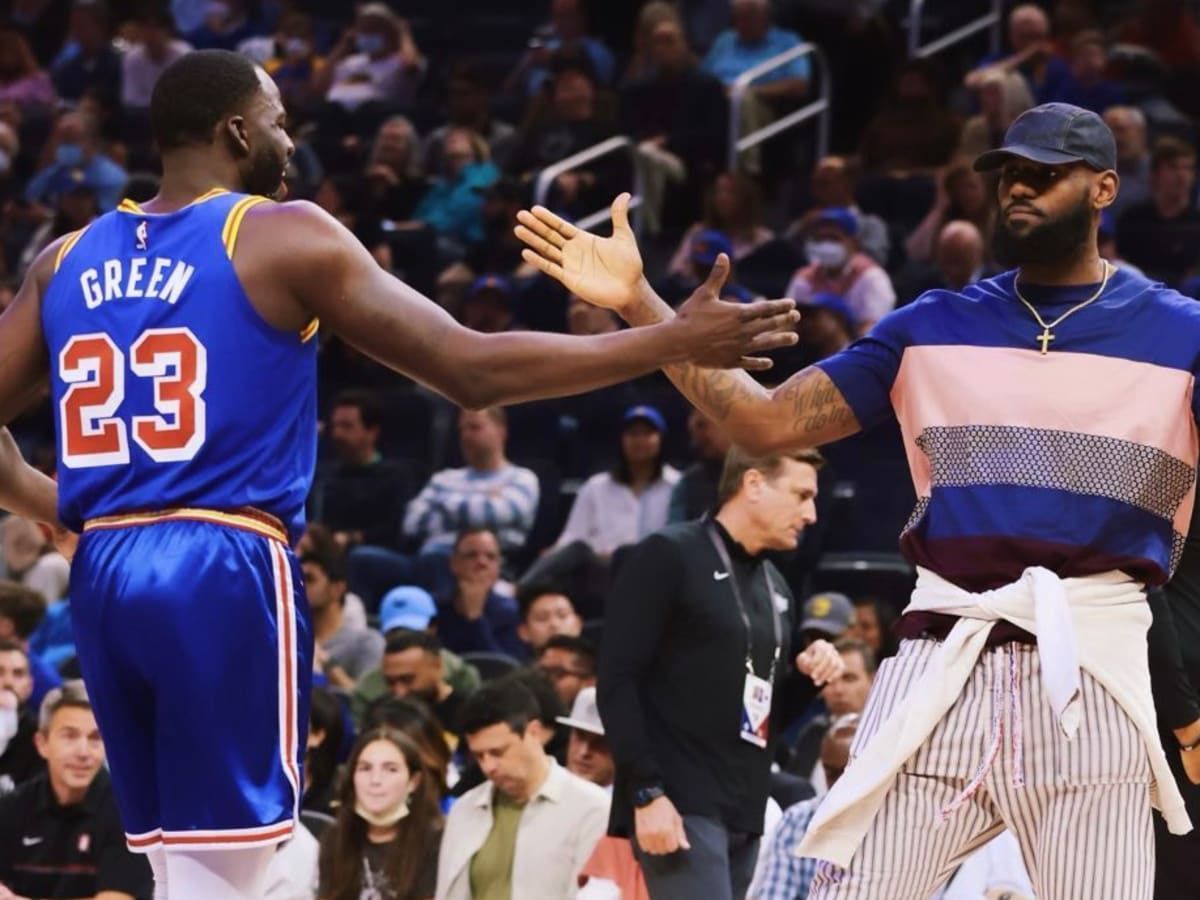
336,279
806,410
23,489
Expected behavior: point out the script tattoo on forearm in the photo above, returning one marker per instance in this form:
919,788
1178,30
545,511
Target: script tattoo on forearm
713,390
816,405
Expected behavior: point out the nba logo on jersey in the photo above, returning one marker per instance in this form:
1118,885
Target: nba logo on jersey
143,235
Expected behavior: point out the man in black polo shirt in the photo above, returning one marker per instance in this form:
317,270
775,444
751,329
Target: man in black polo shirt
60,835
686,693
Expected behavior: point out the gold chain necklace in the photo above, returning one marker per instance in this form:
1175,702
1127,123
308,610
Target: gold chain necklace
1047,334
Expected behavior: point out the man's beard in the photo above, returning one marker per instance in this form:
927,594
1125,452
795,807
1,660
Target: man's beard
1050,241
265,175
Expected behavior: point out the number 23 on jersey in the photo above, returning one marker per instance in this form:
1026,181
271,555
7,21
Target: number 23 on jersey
95,430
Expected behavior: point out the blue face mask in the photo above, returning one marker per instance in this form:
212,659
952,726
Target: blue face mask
69,155
370,44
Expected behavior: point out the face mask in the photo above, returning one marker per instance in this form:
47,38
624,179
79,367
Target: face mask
295,47
383,819
69,155
827,254
370,44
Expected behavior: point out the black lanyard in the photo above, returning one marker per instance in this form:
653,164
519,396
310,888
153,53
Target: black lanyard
719,543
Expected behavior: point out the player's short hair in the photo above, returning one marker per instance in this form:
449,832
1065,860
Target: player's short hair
528,594
506,701
738,462
366,404
854,645
70,694
24,606
583,649
401,639
13,647
196,92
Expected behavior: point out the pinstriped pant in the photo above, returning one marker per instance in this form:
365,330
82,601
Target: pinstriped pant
1082,816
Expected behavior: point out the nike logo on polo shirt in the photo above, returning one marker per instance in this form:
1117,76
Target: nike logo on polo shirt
720,576
31,841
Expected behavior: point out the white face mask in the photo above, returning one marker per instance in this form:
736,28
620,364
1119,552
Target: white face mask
828,254
382,819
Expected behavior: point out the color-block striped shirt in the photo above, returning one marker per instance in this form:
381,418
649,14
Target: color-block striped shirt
454,499
1081,460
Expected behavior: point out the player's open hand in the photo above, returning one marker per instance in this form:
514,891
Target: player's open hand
821,662
722,335
604,271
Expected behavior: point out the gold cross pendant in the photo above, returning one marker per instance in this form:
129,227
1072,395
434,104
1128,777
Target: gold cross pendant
1044,339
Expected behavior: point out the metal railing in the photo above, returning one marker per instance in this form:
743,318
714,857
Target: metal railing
738,143
617,144
991,20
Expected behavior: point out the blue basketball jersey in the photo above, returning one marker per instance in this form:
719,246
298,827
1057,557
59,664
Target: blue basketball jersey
169,389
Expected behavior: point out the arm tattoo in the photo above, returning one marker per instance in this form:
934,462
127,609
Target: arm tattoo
816,405
715,391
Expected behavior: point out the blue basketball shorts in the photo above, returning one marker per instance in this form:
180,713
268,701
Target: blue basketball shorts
194,640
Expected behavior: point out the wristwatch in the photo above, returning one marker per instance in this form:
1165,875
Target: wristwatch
647,795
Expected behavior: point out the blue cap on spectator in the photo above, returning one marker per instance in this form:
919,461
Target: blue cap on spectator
1054,134
68,180
707,245
406,606
835,303
497,283
645,413
838,216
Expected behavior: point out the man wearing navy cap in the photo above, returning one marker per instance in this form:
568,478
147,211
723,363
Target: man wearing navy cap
836,265
487,306
1052,491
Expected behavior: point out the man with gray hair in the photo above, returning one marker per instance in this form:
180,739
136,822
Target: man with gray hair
1128,125
60,833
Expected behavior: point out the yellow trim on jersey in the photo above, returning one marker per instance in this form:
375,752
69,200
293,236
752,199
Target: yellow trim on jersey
247,520
233,222
65,247
129,206
309,331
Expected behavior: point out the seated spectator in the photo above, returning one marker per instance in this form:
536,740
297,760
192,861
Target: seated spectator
293,61
913,131
1002,97
569,663
837,266
388,831
395,177
959,255
1162,235
21,610
832,185
827,325
621,507
22,81
733,206
475,617
60,832
90,61
488,492
696,491
529,829
641,61
409,608
546,612
326,734
414,718
376,62
752,40
74,205
360,496
1090,86
342,651
588,753
488,305
30,558
155,48
412,667
826,616
705,247
873,620
19,759
680,150
782,875
468,106
453,204
75,158
567,29
1128,125
320,540
1031,54
226,24
569,115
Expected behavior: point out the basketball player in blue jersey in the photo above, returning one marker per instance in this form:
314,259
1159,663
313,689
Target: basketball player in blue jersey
178,338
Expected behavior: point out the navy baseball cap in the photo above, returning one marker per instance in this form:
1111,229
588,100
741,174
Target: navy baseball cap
1054,134
707,245
645,413
835,303
839,216
496,283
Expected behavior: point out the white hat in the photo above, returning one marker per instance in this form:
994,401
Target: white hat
585,714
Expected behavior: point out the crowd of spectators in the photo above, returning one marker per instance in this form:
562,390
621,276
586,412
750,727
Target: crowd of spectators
457,562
